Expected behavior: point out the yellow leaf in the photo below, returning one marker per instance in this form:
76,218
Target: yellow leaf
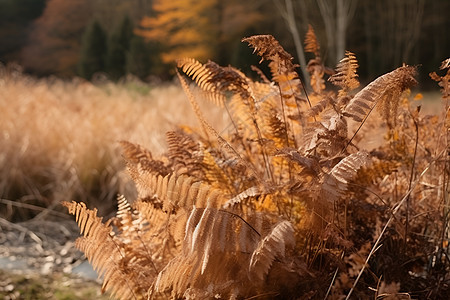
418,97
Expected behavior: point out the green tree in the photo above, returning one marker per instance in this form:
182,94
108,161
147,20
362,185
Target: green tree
93,51
138,58
118,48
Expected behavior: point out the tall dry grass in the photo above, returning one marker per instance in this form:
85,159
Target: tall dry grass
59,139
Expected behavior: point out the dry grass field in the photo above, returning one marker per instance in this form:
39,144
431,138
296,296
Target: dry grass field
60,139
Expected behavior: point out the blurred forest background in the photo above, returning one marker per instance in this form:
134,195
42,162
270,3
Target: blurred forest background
144,37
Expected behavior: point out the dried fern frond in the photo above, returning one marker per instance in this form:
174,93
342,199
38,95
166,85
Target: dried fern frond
443,81
268,48
335,182
346,76
224,145
185,153
319,107
135,153
254,191
311,43
103,252
272,247
217,244
138,157
316,71
215,80
386,89
281,66
203,77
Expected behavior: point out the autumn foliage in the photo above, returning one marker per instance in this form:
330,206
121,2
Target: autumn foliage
288,203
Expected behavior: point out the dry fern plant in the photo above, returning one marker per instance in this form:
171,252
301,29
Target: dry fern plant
284,205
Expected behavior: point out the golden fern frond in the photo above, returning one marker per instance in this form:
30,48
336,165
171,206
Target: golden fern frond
203,77
319,107
335,182
311,43
214,249
268,48
385,89
135,153
346,76
275,129
226,148
252,192
271,247
215,80
316,71
124,215
184,191
214,173
185,154
140,158
327,137
281,66
102,251
217,245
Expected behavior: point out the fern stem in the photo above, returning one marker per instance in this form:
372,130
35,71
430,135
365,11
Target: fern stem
360,126
242,219
411,177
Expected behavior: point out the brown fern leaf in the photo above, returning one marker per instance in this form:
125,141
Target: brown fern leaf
272,247
225,147
443,81
385,89
185,154
183,191
311,43
103,252
281,66
346,76
216,250
316,71
215,80
327,137
135,153
319,107
335,182
268,48
124,215
275,129
252,192
139,157
141,167
202,76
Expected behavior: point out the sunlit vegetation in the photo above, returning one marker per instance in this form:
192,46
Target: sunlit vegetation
288,201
